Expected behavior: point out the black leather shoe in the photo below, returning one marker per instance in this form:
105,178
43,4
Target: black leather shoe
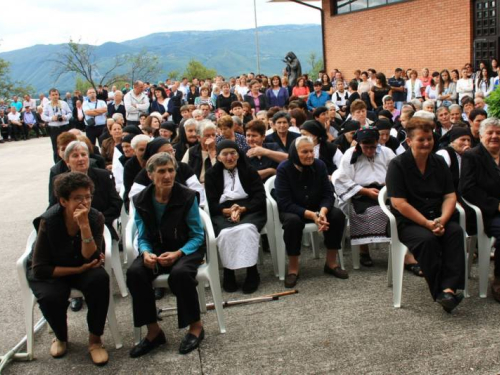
448,301
145,346
251,283
159,293
190,342
338,272
365,259
76,304
291,280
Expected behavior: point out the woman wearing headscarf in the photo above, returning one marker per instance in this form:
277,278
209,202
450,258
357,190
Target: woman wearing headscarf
305,195
345,139
186,138
120,158
384,126
184,173
357,182
325,151
237,202
168,130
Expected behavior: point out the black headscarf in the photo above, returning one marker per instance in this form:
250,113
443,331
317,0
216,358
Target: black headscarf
349,126
293,156
457,132
132,129
154,146
170,125
128,138
383,124
366,133
315,128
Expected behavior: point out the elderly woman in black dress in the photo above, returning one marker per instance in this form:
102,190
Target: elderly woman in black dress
68,254
237,203
480,182
305,195
171,240
420,187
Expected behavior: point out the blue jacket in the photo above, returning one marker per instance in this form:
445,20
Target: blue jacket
314,101
277,101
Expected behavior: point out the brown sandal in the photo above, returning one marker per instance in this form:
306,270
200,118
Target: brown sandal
98,354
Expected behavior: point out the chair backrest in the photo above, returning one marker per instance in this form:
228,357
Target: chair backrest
479,216
382,198
269,186
23,260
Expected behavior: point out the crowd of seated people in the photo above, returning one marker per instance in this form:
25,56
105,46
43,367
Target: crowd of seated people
332,145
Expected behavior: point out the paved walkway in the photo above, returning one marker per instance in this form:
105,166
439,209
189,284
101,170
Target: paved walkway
330,327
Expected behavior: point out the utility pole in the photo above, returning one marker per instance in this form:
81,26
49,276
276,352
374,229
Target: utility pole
256,36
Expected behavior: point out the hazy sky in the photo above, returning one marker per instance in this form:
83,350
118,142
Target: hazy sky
28,22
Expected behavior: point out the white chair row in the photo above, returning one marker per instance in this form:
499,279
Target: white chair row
29,299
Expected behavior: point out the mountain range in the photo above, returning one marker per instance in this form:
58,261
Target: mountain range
229,52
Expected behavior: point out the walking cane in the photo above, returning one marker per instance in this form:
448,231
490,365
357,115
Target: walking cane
266,298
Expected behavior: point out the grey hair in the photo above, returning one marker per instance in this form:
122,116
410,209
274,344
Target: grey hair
204,125
303,139
428,102
425,115
197,112
387,98
72,146
117,116
191,122
238,121
455,106
263,113
441,109
492,121
417,104
159,159
138,139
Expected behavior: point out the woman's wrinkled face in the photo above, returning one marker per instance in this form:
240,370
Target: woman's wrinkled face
462,144
78,160
140,149
226,132
305,151
369,148
128,151
165,133
191,135
455,115
444,117
163,176
384,136
229,157
116,131
281,125
79,198
254,139
491,139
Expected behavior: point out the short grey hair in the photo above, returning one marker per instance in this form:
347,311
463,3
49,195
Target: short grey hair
387,98
159,159
238,121
417,104
441,109
117,116
191,122
263,113
492,121
204,125
197,112
303,139
425,115
139,139
428,103
455,106
72,146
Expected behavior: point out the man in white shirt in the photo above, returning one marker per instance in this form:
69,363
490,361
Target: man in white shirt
28,102
95,115
136,103
18,128
56,114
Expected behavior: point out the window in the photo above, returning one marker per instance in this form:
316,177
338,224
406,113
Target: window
347,6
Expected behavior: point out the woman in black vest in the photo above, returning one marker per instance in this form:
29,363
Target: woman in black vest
171,240
68,254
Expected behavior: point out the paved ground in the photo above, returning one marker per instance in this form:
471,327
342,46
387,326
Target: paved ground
330,327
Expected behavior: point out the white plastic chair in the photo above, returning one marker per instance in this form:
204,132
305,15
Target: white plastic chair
29,299
310,228
484,245
397,252
116,264
123,225
207,272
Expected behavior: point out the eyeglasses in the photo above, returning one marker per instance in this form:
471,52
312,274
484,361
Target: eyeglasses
83,198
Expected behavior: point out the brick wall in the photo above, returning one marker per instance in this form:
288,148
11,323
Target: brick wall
413,34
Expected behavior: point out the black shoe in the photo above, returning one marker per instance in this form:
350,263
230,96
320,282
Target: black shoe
365,259
145,346
448,301
252,281
159,293
229,283
190,342
76,304
291,280
338,272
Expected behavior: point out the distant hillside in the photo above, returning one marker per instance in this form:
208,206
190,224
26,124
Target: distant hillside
230,52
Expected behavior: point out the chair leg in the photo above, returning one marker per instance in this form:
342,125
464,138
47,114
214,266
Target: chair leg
466,252
201,296
341,258
389,267
116,265
355,256
261,256
29,304
398,260
471,246
280,253
112,322
137,335
271,237
217,297
484,248
315,244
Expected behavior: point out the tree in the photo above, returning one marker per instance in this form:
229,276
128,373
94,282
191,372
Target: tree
174,75
80,59
196,69
143,65
316,66
9,87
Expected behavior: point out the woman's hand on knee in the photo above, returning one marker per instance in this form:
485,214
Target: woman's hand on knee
149,259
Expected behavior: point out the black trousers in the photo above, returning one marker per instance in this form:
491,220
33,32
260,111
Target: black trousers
20,131
6,131
442,258
53,294
293,225
54,132
182,283
495,232
93,133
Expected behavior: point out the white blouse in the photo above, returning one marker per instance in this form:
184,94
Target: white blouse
233,190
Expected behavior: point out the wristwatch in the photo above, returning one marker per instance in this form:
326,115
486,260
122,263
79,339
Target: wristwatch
317,213
87,240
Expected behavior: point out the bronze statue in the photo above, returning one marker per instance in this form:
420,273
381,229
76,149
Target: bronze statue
293,68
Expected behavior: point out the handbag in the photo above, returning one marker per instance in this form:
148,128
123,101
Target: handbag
91,120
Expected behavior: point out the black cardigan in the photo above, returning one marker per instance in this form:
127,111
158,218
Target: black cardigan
480,182
262,101
250,181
